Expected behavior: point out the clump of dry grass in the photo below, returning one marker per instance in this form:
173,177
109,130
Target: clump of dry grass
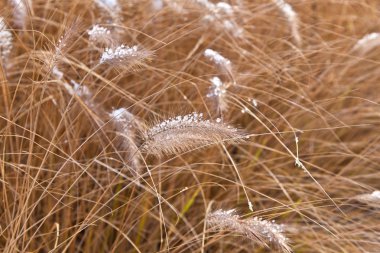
84,169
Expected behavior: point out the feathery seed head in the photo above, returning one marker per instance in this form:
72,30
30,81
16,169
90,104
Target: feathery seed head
125,119
376,194
224,7
5,41
367,43
20,12
292,18
157,4
183,133
261,231
216,9
218,90
110,6
66,40
81,90
99,34
231,26
367,38
371,199
127,125
57,73
287,9
125,56
217,59
221,13
120,114
270,230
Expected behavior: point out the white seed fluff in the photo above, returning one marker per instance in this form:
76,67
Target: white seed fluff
5,41
262,231
376,194
20,12
124,55
157,5
367,43
371,199
57,73
292,18
110,6
221,15
217,88
181,133
98,33
217,58
119,53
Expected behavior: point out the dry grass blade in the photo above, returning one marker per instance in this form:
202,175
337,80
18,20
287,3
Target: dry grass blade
263,232
183,133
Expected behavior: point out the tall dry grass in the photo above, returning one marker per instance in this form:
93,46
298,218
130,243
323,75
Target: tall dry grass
78,177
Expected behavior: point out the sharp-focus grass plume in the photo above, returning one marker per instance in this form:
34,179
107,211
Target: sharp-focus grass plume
99,150
182,133
264,232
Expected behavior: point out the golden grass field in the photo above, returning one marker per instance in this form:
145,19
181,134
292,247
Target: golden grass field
291,90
